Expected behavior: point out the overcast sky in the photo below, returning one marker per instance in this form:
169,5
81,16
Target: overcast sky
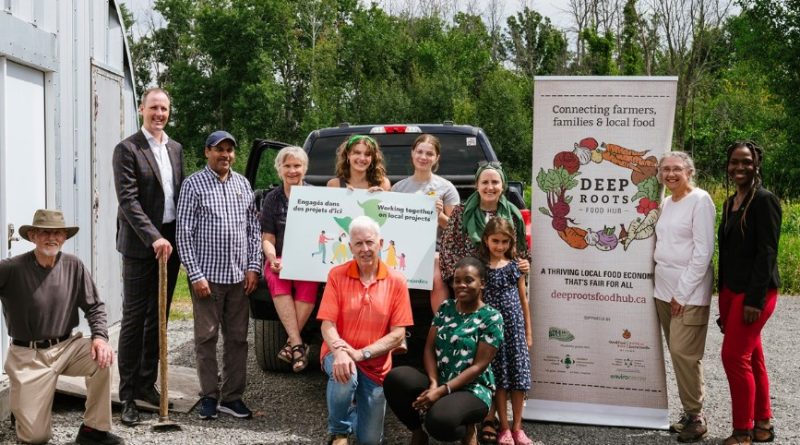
548,8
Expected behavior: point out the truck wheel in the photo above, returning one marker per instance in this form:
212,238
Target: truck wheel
269,337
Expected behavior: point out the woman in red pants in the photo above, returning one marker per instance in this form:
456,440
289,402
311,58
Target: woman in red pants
748,291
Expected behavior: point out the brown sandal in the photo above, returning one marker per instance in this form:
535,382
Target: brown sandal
488,432
764,434
739,437
299,363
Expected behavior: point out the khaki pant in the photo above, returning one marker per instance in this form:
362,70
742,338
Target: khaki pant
686,340
33,374
227,307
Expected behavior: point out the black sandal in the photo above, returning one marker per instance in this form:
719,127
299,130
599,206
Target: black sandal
758,434
488,434
299,363
285,354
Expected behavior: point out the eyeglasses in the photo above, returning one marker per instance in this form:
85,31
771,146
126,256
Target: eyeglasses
492,164
360,137
668,170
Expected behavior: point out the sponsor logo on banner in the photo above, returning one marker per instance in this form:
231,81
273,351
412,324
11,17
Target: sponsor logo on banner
597,142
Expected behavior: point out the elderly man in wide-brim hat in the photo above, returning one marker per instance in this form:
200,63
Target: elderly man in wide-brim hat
41,292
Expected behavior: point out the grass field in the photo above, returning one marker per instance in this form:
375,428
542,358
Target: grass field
788,247
181,308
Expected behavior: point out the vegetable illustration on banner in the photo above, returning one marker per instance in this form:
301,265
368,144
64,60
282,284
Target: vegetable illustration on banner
563,177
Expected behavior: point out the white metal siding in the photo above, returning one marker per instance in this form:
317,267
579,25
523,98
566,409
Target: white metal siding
108,129
63,39
22,158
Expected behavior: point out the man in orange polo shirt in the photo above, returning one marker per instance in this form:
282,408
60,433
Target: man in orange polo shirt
364,311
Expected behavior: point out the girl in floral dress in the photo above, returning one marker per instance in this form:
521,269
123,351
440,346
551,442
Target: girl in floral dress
506,291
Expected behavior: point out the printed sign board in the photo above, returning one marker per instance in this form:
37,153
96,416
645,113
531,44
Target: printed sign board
597,356
317,227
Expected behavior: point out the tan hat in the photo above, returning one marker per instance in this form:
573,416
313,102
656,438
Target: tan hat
47,219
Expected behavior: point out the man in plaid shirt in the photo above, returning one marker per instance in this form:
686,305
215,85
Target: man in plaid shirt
218,238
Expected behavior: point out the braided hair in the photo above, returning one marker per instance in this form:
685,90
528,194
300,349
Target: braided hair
757,154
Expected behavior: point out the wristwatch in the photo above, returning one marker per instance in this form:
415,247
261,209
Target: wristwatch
367,355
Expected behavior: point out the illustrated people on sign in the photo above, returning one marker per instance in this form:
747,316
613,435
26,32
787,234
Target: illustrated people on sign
364,311
425,155
683,284
148,173
294,300
402,261
391,255
359,165
41,292
218,240
321,248
748,290
507,291
340,252
455,391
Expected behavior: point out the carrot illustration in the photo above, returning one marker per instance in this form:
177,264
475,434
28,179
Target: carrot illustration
623,160
620,150
574,236
633,162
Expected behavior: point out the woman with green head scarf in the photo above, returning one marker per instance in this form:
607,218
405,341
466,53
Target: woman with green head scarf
462,236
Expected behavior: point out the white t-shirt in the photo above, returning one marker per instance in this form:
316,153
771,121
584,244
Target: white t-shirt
684,247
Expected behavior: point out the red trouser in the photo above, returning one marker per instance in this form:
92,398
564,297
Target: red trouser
743,358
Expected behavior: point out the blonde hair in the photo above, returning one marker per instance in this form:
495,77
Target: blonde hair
293,151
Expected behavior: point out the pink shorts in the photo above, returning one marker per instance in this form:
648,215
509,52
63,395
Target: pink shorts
305,291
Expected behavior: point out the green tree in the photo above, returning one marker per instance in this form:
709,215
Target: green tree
767,33
599,58
534,45
631,57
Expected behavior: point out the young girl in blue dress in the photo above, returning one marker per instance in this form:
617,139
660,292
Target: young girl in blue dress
506,291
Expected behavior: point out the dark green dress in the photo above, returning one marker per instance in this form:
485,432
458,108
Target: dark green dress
457,338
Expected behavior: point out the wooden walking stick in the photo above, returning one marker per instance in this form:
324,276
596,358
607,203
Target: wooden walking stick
163,424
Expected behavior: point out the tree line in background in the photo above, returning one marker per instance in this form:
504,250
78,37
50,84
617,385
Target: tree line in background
281,68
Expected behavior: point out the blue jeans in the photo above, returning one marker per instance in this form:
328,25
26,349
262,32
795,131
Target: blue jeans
365,417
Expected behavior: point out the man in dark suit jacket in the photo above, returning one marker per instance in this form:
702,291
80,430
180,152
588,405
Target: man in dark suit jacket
148,172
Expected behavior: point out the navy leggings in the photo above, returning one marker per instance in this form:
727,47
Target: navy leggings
449,416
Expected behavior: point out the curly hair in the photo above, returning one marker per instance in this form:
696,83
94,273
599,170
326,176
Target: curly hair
498,225
757,154
376,170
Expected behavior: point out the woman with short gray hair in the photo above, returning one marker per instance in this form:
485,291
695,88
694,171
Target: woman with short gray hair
294,299
683,284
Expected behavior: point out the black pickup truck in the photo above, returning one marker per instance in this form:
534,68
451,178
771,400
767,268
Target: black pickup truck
463,148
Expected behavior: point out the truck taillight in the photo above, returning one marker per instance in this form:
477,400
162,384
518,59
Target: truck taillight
526,217
395,129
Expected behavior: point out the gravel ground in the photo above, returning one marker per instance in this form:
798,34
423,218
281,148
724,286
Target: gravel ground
290,409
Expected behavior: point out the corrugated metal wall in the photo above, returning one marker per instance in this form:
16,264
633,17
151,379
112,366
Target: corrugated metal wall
79,48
